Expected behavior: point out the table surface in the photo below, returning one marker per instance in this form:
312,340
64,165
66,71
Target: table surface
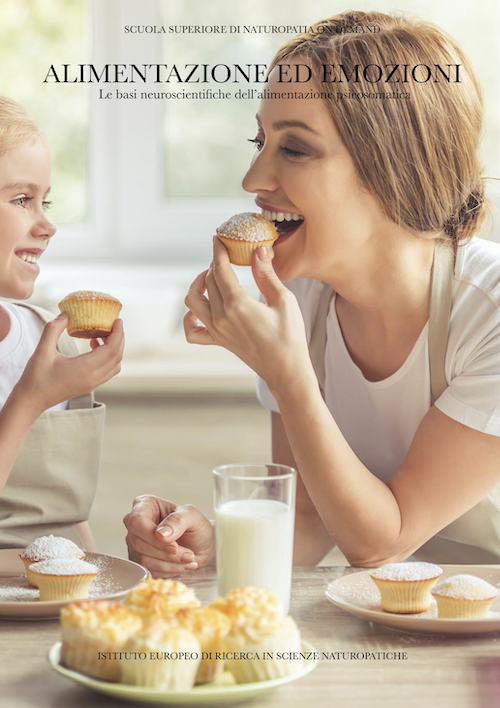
459,672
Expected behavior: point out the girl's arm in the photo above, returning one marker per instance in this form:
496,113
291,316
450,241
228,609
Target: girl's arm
50,378
312,540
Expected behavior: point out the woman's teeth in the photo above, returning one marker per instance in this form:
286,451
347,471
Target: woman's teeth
281,216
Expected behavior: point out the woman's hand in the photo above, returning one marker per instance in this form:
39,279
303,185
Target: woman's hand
50,378
269,337
168,539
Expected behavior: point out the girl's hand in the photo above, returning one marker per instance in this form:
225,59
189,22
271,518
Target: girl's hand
50,378
270,337
168,539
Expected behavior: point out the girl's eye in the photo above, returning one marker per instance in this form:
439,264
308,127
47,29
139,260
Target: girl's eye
46,205
257,142
21,201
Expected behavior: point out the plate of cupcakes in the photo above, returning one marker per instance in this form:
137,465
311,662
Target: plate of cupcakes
37,581
423,597
162,646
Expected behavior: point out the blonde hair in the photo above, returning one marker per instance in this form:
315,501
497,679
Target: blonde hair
417,156
16,127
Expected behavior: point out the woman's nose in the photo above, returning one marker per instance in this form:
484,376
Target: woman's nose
261,175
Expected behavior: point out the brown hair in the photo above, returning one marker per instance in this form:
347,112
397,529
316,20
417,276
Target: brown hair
16,127
417,156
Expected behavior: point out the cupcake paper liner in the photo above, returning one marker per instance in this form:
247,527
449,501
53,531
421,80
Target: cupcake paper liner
240,252
405,597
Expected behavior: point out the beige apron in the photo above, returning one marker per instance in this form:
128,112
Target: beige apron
475,536
54,479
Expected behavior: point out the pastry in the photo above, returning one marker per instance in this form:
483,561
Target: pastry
63,578
464,597
243,234
91,314
92,632
405,587
262,643
209,626
47,548
157,599
162,657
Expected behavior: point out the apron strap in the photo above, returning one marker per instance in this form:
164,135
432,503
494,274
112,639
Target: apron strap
439,317
443,269
67,347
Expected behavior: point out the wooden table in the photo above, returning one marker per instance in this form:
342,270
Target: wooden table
458,672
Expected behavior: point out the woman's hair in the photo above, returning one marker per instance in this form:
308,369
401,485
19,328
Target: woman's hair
418,155
17,129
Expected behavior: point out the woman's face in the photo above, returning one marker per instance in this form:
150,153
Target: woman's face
24,228
301,167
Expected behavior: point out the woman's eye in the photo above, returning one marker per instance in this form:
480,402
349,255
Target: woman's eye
292,153
257,142
46,205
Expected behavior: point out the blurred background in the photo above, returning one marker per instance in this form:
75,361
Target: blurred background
139,187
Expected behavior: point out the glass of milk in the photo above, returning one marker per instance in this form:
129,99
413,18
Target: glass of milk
254,525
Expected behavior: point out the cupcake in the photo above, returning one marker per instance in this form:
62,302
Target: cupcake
162,657
91,314
63,578
92,632
259,631
243,234
157,599
464,597
209,626
48,548
405,587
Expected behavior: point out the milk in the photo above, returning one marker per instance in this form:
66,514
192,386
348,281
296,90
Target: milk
255,546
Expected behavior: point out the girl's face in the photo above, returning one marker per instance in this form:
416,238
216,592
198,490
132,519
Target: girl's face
24,228
302,169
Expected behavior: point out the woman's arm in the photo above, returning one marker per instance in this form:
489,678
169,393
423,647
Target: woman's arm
312,540
448,469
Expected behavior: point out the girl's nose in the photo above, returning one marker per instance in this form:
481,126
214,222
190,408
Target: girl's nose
261,175
43,228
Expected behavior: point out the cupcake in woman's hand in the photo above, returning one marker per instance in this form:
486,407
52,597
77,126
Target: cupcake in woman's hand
405,587
210,627
262,632
63,578
158,668
48,548
91,314
91,629
243,234
157,599
464,597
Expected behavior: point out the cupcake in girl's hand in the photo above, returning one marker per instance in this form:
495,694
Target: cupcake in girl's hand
48,548
157,599
93,628
243,234
259,628
405,587
91,314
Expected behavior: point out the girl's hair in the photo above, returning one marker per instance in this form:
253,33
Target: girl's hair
417,155
16,127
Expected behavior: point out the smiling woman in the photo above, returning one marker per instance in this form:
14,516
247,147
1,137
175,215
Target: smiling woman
397,448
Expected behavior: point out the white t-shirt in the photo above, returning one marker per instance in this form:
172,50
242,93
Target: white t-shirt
17,347
379,418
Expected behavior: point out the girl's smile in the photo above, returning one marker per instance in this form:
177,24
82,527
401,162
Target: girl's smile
25,230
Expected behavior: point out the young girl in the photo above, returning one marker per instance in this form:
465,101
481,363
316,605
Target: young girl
50,427
392,304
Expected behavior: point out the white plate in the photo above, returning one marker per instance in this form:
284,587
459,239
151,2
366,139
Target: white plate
358,594
116,577
223,690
